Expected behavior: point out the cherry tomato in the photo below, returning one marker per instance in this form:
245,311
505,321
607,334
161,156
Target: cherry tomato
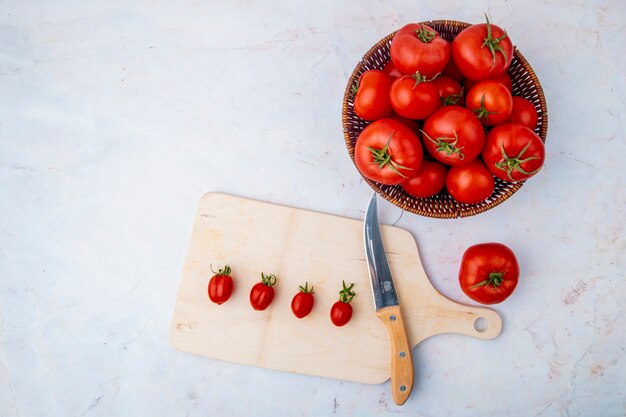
429,180
489,273
391,70
450,92
471,183
341,311
414,98
482,51
371,101
453,135
523,112
490,101
419,48
503,79
262,293
388,152
513,152
453,72
302,302
221,286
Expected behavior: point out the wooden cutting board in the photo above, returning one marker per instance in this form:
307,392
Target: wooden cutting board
297,246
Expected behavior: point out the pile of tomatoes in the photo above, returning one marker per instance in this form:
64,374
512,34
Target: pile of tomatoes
454,99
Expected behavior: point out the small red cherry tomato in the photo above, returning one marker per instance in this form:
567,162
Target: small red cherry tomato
262,293
341,311
302,302
524,112
221,286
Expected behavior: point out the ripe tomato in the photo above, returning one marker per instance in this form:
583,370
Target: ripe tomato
503,79
221,286
482,51
471,183
419,48
429,180
341,311
302,302
262,293
371,101
411,124
453,135
450,92
453,72
523,112
392,71
513,152
388,152
414,98
489,273
490,101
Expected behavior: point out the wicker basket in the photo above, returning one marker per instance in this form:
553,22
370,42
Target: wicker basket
442,205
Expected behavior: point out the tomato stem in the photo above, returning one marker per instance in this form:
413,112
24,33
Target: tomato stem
482,113
419,78
268,280
493,44
451,99
425,35
224,271
495,280
449,148
306,288
508,163
346,294
382,158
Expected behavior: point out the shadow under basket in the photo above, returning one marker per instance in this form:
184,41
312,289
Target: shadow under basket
442,205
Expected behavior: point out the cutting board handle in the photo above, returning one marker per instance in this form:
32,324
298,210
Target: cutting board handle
479,322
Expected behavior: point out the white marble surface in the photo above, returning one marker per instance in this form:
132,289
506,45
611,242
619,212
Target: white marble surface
115,118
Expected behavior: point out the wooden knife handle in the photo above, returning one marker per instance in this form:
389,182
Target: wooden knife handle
401,362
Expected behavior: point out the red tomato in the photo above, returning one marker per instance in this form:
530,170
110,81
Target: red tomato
419,48
429,180
302,302
503,79
371,101
490,101
388,152
392,71
221,286
414,98
262,293
453,135
341,311
411,124
524,112
471,183
513,152
482,51
450,92
489,273
453,72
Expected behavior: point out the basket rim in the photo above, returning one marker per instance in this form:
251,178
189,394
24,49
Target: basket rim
462,210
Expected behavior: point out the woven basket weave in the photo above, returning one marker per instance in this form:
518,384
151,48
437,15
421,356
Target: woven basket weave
442,205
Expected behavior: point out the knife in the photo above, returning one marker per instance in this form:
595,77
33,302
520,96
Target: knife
387,306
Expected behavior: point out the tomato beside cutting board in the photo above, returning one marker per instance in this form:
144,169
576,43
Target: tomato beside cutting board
489,273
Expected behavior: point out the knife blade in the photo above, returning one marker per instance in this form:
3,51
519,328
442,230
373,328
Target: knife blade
388,306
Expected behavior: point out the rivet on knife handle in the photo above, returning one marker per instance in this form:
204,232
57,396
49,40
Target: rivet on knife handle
401,361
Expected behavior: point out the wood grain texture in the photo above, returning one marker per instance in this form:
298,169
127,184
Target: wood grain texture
297,246
401,359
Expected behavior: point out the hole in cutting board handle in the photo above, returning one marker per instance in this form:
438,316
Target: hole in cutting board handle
480,324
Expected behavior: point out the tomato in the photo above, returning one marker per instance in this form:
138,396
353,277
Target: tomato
220,285
471,183
388,152
262,293
411,124
523,112
371,101
392,71
453,135
414,98
302,302
489,273
490,101
429,180
450,92
453,72
503,79
419,48
513,152
341,311
482,51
